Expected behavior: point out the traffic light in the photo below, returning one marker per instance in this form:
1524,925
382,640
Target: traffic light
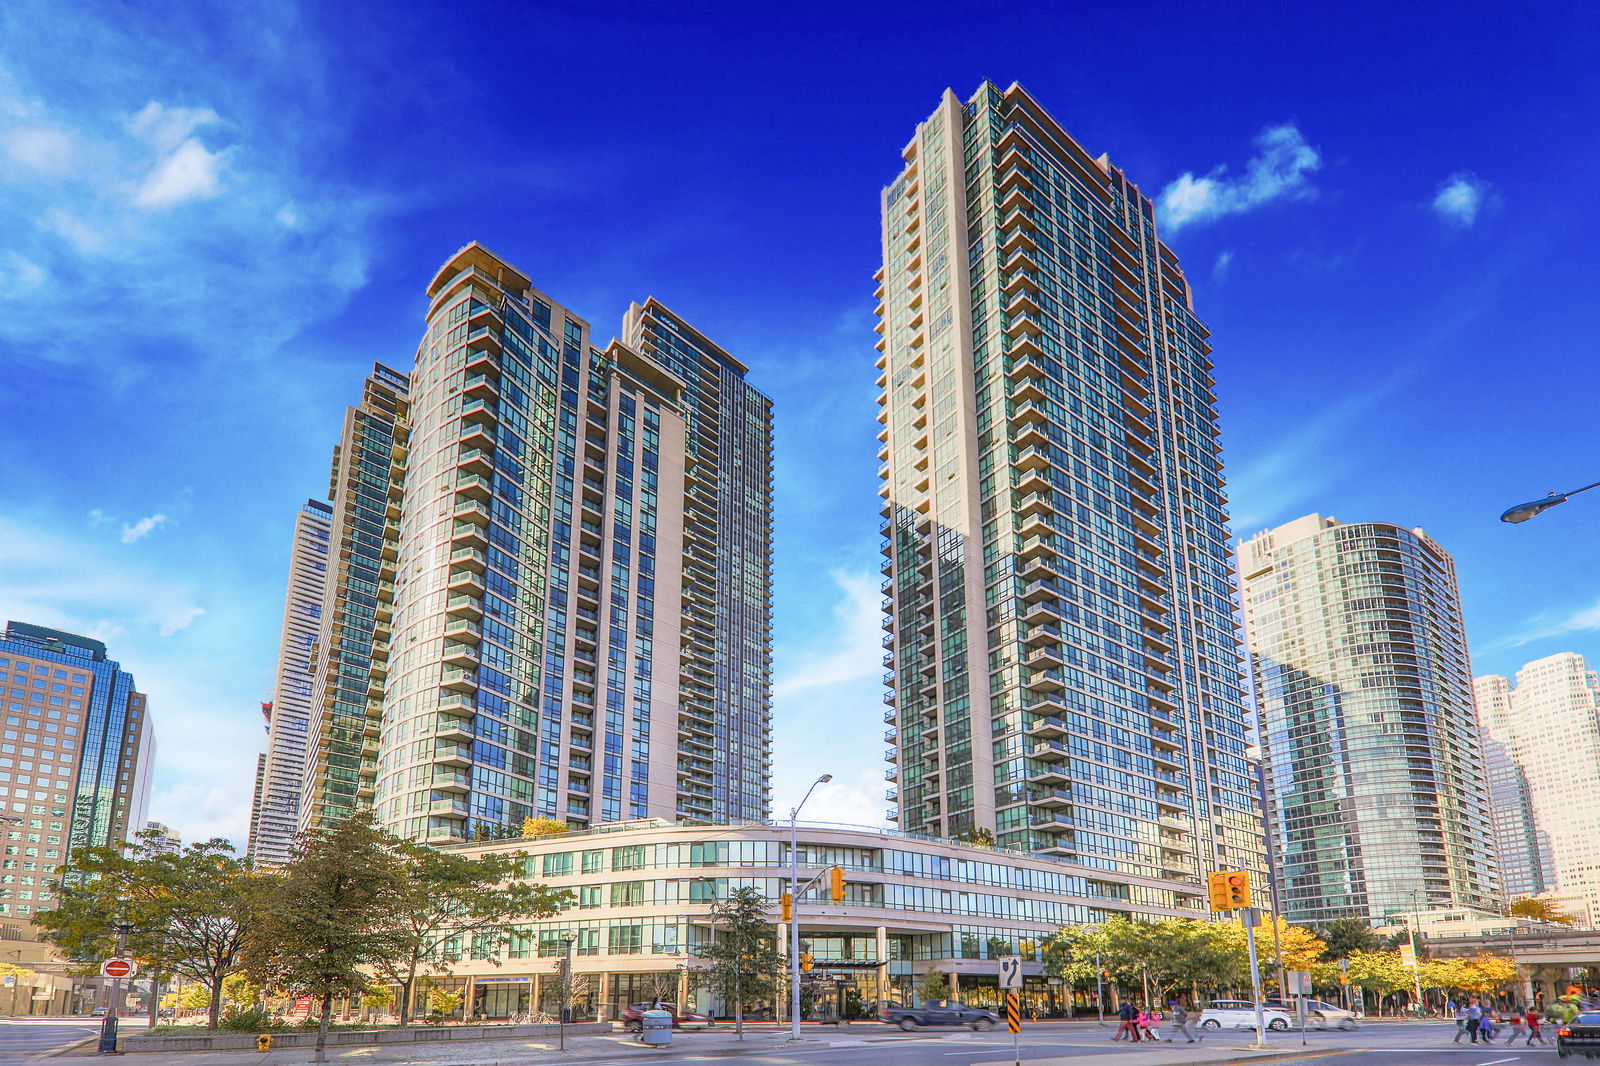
806,962
1229,889
786,907
836,884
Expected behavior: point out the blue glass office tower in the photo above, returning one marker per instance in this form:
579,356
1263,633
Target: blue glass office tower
76,760
1063,659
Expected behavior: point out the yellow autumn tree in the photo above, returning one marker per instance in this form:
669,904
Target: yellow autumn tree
543,827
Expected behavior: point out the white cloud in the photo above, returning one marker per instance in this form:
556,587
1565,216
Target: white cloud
42,148
1460,198
85,239
288,216
189,173
1543,627
19,274
97,517
180,620
854,800
1220,269
849,652
167,128
1281,168
142,528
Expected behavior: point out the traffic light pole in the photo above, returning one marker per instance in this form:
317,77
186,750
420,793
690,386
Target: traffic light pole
1249,917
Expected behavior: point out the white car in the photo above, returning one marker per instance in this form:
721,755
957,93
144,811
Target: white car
1321,1014
1241,1014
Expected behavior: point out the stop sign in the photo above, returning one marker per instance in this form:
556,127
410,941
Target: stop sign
118,968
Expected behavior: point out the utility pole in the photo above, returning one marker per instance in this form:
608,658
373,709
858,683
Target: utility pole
794,907
1249,917
566,985
1099,990
108,1028
1272,866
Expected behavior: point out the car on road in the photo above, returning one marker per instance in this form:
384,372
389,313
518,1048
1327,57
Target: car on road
1580,1036
632,1018
1241,1014
1319,1014
99,1012
913,1018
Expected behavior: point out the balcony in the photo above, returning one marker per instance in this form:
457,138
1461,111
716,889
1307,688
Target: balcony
463,631
458,679
450,727
1051,798
1049,751
474,486
469,534
1047,729
470,559
472,511
481,387
451,782
465,581
448,806
476,461
452,754
464,607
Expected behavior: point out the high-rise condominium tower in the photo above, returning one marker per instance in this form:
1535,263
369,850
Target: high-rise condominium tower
1064,658
275,814
581,571
352,649
1527,867
77,759
1549,728
1379,803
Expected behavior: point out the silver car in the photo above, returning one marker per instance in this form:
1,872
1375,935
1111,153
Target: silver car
1321,1015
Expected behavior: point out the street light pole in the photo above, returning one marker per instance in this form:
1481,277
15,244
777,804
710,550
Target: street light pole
1524,511
1272,869
566,985
1416,958
794,910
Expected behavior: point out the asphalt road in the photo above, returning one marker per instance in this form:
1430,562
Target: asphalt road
28,1036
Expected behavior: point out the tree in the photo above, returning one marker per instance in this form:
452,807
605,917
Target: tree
544,827
1344,936
194,997
743,962
1380,971
451,901
1539,910
978,836
333,910
187,912
441,1001
934,986
1483,974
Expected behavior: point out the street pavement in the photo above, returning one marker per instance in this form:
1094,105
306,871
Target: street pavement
869,1044
21,1038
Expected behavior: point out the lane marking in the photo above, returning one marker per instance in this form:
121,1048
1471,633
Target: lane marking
1495,1062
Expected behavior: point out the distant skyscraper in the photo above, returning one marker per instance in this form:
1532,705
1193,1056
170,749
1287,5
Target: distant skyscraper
1064,661
352,649
167,841
581,575
77,759
1373,764
1526,865
276,813
1549,727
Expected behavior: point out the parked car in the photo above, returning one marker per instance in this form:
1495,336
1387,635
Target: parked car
912,1018
632,1018
1319,1014
98,1012
1580,1036
1241,1014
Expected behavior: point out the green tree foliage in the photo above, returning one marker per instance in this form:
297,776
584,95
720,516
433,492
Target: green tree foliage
333,910
188,912
979,836
442,1001
1345,936
453,902
934,987
1380,971
744,964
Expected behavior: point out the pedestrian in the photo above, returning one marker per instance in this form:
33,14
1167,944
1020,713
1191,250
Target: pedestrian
1474,1019
1180,1021
1515,1025
1450,1010
1461,1022
1153,1031
1143,1024
1486,1025
1126,1015
1534,1018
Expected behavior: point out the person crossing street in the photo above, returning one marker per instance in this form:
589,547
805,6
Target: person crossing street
1180,1022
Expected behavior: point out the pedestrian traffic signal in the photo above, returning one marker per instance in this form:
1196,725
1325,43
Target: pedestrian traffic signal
836,884
1229,889
786,907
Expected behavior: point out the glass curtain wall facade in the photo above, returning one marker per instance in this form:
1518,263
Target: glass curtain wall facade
548,594
281,775
1544,738
75,761
352,651
1063,658
1370,738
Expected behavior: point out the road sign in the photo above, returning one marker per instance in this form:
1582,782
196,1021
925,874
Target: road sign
1013,1013
1011,971
1299,982
1408,956
118,968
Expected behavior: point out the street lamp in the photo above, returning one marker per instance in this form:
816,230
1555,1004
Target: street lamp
1524,511
1416,958
794,910
566,984
1257,754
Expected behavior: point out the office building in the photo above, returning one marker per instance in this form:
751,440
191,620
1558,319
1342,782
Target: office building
1526,865
165,840
1549,728
75,766
352,647
581,625
643,891
1063,657
281,774
1374,772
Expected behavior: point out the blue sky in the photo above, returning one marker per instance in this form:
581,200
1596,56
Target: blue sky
214,218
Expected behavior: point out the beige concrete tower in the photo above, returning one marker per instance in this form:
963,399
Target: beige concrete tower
1063,659
1549,727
